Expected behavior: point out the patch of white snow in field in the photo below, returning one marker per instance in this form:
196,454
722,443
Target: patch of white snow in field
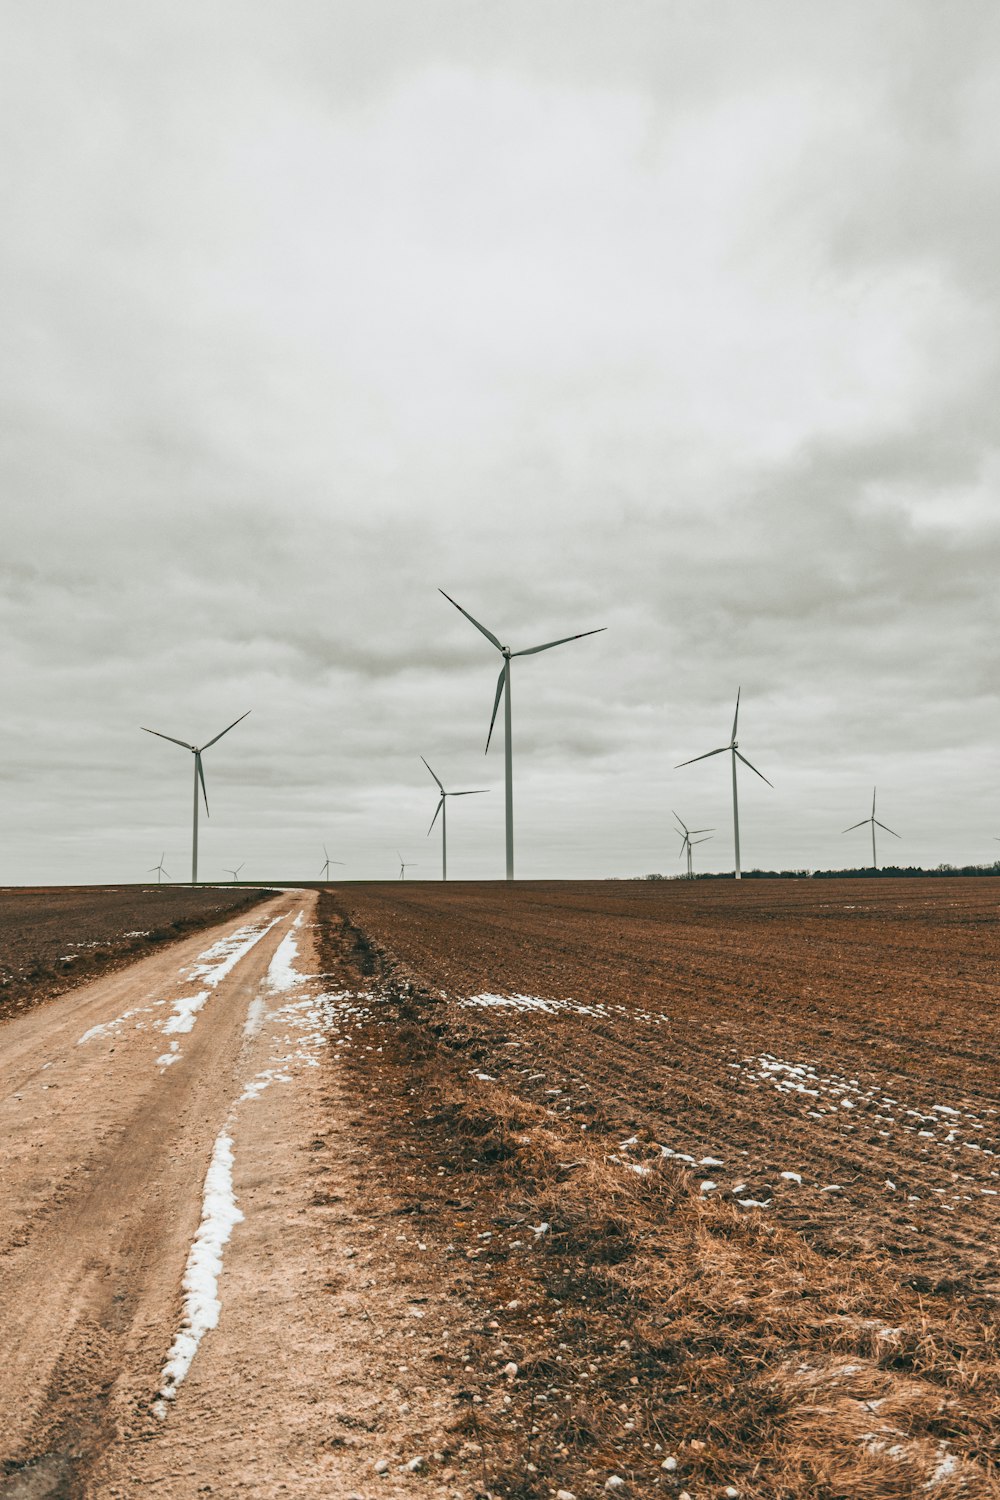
282,973
110,1028
212,967
201,1275
256,1011
304,1026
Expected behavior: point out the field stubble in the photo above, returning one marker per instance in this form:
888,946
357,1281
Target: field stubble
715,1165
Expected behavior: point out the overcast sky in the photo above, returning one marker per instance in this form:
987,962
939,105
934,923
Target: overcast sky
675,318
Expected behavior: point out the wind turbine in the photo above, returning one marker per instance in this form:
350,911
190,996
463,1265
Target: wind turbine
444,816
235,872
688,843
404,866
160,871
875,823
503,687
329,862
733,748
199,775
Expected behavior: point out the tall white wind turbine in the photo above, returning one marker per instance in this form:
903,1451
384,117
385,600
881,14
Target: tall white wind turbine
326,868
199,775
233,873
442,809
405,865
875,824
733,749
160,871
503,687
688,843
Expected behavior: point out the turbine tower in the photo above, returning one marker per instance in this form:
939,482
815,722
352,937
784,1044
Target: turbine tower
199,775
325,875
875,824
733,748
404,865
444,816
688,843
160,871
503,687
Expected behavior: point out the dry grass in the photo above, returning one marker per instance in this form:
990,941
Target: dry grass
648,1322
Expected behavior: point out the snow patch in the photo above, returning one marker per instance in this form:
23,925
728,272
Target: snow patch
204,1266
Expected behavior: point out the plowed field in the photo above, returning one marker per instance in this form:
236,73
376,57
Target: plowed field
54,938
760,1126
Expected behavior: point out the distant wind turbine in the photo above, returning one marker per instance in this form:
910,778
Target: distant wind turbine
503,687
444,816
404,865
688,843
733,748
234,873
875,824
329,862
199,775
160,871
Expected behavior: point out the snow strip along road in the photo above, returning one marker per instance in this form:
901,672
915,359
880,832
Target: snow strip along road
118,1163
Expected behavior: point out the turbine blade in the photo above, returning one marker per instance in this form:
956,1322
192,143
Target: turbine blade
722,750
680,821
753,768
874,790
533,650
863,824
435,817
227,729
702,841
487,633
476,792
736,715
888,830
496,704
201,778
168,737
701,830
436,777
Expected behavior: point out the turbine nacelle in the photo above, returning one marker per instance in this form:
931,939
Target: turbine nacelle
733,749
199,779
503,684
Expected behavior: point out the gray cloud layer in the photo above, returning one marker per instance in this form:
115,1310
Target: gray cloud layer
678,320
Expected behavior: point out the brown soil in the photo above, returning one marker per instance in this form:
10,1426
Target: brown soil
323,1362
54,938
841,1340
464,1244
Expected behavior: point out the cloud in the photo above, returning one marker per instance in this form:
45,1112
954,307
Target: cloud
674,321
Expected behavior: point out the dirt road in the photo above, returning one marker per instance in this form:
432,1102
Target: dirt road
170,1140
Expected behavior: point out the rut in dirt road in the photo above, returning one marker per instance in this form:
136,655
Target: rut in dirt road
113,1099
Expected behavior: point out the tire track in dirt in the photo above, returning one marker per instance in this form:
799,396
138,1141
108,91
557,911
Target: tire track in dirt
90,1270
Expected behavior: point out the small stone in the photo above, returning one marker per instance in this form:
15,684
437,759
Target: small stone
696,1445
731,1492
382,1466
669,1464
510,1370
414,1465
614,1482
565,1495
